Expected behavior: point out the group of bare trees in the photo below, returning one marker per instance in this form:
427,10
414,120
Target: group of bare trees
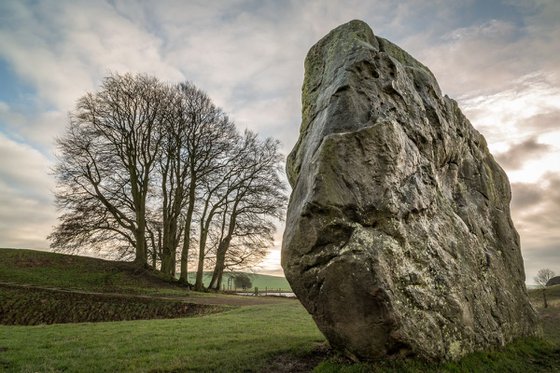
158,172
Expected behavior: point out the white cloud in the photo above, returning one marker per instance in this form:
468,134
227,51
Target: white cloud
37,128
492,56
527,110
64,48
24,168
535,213
491,29
27,212
270,264
249,57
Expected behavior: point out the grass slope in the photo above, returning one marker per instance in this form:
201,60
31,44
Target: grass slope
33,306
84,273
79,272
66,288
279,336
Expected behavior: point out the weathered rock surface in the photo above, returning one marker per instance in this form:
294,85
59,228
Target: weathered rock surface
398,239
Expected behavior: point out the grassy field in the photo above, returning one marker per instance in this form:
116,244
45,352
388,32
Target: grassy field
552,294
277,336
244,339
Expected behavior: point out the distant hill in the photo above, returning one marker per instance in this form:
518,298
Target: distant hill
553,281
257,280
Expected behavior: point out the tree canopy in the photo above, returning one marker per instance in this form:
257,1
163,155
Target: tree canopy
156,172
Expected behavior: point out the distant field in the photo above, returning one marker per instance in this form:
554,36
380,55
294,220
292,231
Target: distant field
552,294
257,280
275,336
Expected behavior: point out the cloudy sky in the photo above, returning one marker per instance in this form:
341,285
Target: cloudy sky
499,59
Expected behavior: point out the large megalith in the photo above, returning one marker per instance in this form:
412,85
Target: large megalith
398,239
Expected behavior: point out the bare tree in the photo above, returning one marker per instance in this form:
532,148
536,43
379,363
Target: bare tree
214,199
142,160
254,200
542,278
173,175
207,139
106,161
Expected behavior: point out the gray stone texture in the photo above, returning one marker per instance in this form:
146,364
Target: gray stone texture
398,238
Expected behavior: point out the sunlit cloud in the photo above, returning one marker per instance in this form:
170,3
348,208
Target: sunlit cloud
518,154
535,209
518,124
501,61
26,212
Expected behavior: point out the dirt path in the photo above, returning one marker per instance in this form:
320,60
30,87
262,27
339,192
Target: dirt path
191,297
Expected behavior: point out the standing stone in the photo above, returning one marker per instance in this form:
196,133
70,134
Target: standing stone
399,239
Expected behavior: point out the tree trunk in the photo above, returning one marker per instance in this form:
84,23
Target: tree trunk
216,281
187,236
199,284
183,277
166,264
204,229
154,259
544,298
141,259
169,249
223,248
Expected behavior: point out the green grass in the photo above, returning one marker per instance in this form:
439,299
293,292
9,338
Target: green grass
529,355
552,295
243,339
248,338
32,306
77,272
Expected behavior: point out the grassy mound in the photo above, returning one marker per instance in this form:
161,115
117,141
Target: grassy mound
32,306
79,272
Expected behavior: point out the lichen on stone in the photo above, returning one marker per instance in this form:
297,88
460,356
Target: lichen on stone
399,216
